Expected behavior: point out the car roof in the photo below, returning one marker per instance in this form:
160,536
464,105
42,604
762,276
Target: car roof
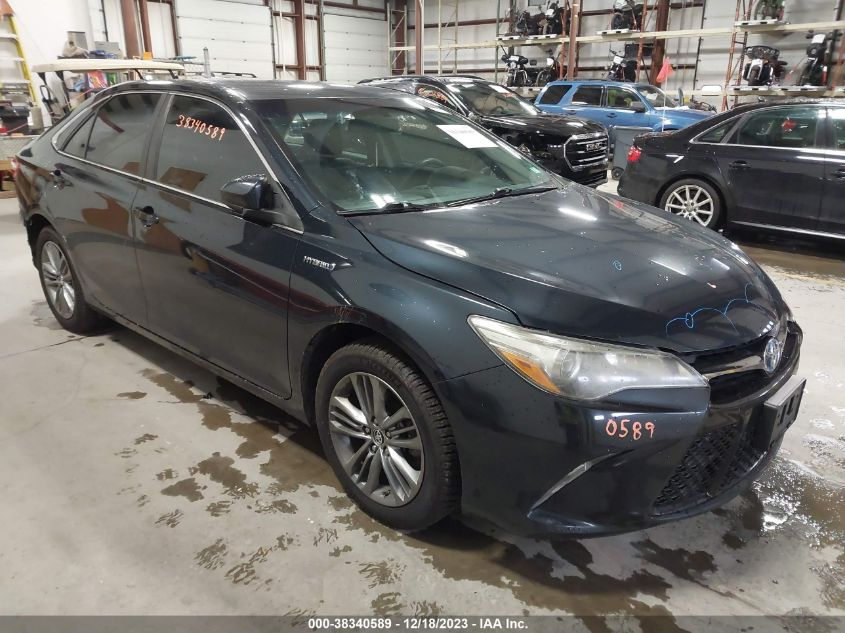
609,82
429,79
237,90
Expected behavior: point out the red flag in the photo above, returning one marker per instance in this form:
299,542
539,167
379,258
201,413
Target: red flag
666,71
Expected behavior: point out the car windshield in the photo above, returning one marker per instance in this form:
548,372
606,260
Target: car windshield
489,99
404,154
657,98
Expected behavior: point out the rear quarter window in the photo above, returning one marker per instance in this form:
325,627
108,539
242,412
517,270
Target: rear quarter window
554,94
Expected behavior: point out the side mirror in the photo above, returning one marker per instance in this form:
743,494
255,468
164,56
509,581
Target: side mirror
252,197
638,106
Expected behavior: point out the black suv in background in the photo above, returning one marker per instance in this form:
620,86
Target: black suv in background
771,166
575,148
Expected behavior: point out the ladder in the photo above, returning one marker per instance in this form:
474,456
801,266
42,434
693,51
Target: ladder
19,88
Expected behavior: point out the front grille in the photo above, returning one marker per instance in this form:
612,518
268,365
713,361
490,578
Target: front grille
749,377
715,461
586,150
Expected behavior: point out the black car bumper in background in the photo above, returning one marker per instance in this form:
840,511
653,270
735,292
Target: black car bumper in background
641,184
541,465
583,158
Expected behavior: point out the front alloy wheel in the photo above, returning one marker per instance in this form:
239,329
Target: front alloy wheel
386,436
376,439
693,200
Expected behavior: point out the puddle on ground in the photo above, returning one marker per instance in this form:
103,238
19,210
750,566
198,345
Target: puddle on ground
558,575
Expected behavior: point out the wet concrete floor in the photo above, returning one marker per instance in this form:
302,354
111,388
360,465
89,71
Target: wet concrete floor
133,482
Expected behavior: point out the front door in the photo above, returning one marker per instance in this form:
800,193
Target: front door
619,110
94,184
774,167
216,284
832,217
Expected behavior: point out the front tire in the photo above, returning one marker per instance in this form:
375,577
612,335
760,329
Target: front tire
694,200
60,283
387,437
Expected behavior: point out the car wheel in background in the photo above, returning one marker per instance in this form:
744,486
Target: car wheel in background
60,284
386,437
694,200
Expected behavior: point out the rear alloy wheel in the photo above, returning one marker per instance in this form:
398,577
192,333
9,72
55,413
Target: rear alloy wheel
61,285
386,436
693,200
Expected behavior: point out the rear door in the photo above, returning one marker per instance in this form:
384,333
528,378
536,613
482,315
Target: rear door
216,284
773,166
586,102
96,178
552,97
832,217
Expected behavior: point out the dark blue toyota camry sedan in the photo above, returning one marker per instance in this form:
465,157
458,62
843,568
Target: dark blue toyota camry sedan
468,331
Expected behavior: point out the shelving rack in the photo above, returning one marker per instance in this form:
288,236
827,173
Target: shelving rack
570,42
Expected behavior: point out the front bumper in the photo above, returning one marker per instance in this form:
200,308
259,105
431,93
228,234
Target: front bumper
591,177
540,465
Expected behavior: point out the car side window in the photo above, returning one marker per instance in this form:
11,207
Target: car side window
794,127
203,148
620,98
554,94
718,133
75,145
120,131
837,119
587,95
435,95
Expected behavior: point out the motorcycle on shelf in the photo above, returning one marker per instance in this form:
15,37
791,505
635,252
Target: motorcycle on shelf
548,22
624,66
549,73
553,22
769,10
764,67
813,70
518,75
627,14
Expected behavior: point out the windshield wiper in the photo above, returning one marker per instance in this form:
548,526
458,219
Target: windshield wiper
398,207
502,192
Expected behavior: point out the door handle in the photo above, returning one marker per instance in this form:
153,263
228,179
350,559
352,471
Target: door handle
839,173
612,115
147,216
740,164
571,111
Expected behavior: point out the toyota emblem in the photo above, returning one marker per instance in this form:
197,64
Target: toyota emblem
771,355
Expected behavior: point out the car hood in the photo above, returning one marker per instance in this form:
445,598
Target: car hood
684,114
577,262
550,125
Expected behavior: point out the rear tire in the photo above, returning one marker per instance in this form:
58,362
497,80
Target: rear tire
60,283
693,200
387,437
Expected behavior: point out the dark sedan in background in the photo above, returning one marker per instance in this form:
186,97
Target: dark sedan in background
767,166
574,148
467,330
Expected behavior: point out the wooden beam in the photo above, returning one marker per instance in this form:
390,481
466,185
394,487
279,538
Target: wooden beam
659,52
145,26
419,17
130,28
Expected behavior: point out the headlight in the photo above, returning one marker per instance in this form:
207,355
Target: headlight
582,369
